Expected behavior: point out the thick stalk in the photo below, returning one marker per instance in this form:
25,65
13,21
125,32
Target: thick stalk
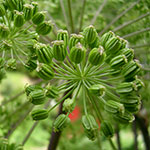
134,128
118,137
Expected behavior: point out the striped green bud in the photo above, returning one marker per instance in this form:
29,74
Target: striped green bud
45,71
37,97
35,7
31,64
137,84
106,37
90,34
107,129
114,107
4,31
30,88
11,64
97,90
63,35
19,19
44,53
69,105
28,12
95,44
2,10
51,91
11,4
75,38
44,28
90,126
129,53
39,114
38,17
97,56
59,50
61,122
77,53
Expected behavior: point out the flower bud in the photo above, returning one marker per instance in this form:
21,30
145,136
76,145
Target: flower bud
61,122
59,50
106,37
95,44
63,35
44,53
31,64
137,84
90,126
118,61
90,34
11,4
11,64
28,12
37,97
35,7
39,114
130,70
2,62
97,90
38,17
51,91
4,144
97,56
129,53
4,31
75,38
45,71
44,28
77,53
69,105
19,19
2,10
114,107
107,129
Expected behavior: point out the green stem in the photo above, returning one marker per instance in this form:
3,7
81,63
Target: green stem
112,144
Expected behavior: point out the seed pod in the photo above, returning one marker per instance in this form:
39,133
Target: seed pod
95,44
75,38
123,43
69,105
130,70
97,56
97,90
35,7
61,122
11,4
51,91
44,53
59,50
63,35
77,53
38,17
37,97
45,71
44,28
4,31
2,10
31,64
137,84
19,19
129,53
125,118
90,126
118,61
39,114
2,62
30,88
11,64
20,5
106,37
90,34
114,107
107,129
28,12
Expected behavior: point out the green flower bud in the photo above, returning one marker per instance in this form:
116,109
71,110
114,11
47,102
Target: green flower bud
69,105
107,129
31,64
39,114
7,45
77,53
28,12
19,19
44,28
118,61
125,88
125,118
4,31
45,71
63,35
44,53
51,91
95,44
2,62
114,107
2,10
38,17
106,37
90,126
11,4
61,122
97,90
129,53
4,145
124,43
137,84
30,88
11,64
97,56
59,50
20,5
37,97
75,38
90,34
35,7
130,70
